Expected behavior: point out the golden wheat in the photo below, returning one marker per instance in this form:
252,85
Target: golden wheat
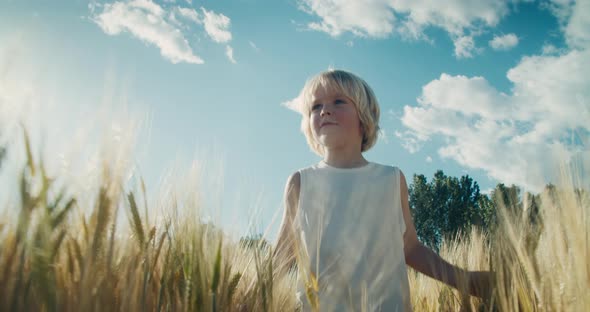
51,261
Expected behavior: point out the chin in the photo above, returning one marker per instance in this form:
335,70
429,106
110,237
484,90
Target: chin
331,142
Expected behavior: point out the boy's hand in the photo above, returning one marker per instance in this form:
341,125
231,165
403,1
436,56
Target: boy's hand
481,284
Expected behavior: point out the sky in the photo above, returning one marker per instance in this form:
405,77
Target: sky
497,90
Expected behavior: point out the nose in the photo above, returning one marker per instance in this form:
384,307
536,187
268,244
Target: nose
325,111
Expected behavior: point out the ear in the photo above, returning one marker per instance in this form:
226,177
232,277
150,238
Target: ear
362,133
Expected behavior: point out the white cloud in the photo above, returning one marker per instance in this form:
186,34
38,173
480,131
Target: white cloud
440,94
411,141
160,26
372,19
229,52
464,47
190,14
253,45
517,137
428,159
576,32
173,20
217,26
574,18
293,104
505,42
147,21
381,18
549,49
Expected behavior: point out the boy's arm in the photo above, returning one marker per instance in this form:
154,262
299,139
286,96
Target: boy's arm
426,261
284,253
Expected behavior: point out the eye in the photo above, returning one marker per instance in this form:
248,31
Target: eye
315,107
339,101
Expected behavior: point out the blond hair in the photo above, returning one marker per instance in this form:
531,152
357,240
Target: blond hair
349,85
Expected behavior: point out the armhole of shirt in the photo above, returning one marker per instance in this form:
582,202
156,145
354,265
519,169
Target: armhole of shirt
298,213
398,193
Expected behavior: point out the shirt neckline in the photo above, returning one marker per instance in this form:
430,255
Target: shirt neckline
323,164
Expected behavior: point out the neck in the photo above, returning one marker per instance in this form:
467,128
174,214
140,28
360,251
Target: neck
344,158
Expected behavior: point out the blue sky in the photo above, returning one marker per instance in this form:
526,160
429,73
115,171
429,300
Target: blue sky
493,89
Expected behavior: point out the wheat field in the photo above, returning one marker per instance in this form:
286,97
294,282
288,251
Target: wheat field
55,257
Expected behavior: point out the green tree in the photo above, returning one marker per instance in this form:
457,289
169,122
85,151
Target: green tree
445,206
424,213
509,197
489,219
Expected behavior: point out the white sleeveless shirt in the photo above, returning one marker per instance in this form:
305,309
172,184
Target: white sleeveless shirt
352,227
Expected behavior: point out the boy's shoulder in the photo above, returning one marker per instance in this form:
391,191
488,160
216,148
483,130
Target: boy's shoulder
294,180
387,167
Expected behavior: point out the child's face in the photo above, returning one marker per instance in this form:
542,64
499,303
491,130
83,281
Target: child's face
334,119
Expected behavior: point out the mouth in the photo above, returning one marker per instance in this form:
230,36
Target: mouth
327,124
